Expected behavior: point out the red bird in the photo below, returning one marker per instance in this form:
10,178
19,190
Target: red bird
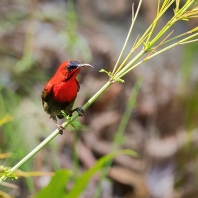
61,90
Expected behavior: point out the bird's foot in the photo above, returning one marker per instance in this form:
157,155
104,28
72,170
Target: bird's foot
60,128
80,111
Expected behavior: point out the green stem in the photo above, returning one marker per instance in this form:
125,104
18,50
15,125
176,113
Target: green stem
27,51
171,22
54,134
126,116
119,134
136,58
127,38
159,15
118,73
183,41
75,156
176,37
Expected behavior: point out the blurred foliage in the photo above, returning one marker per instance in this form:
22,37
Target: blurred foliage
25,64
4,195
5,119
56,187
191,92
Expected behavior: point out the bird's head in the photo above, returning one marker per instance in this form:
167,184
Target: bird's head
70,69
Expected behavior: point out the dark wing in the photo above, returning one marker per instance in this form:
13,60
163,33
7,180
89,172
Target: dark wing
45,95
78,85
47,92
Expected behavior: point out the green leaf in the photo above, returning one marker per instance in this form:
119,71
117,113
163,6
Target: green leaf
185,19
4,195
147,46
8,173
56,187
63,113
108,73
120,80
76,124
102,70
83,180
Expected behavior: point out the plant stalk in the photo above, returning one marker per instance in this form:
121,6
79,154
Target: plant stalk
54,134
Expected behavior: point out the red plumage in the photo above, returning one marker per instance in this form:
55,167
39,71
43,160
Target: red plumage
61,90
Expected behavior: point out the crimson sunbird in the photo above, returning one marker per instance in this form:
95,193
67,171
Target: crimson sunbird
61,90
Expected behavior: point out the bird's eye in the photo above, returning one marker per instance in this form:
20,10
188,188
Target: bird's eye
72,65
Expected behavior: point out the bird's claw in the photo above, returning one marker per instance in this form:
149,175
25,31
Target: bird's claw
60,128
80,111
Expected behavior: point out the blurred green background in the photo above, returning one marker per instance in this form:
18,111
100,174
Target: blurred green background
36,36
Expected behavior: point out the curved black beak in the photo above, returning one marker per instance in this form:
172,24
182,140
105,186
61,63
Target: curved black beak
84,65
75,64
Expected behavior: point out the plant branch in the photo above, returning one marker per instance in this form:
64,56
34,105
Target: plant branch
129,34
53,135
